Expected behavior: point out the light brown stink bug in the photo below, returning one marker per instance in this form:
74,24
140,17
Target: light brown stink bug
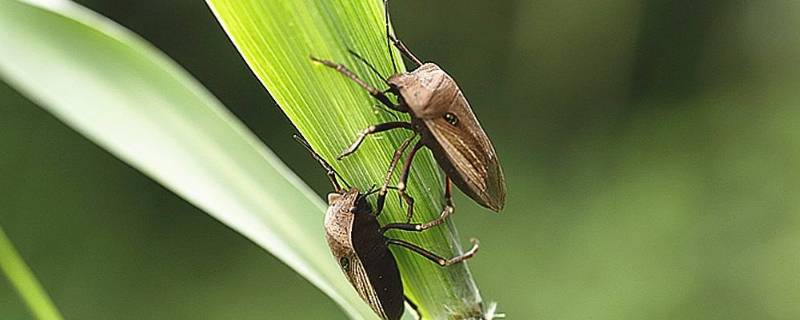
443,119
361,249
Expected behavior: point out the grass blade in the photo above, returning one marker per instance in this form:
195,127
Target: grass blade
276,39
130,99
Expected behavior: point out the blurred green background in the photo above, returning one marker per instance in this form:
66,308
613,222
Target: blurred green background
651,150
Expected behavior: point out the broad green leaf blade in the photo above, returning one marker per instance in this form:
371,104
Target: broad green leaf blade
25,282
129,98
276,38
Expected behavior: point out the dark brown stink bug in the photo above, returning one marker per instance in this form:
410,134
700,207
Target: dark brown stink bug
359,246
443,119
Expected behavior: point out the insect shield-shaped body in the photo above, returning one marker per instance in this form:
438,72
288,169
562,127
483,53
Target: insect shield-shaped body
443,118
359,246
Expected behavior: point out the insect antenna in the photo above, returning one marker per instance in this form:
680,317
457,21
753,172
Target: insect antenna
375,71
332,174
388,41
372,189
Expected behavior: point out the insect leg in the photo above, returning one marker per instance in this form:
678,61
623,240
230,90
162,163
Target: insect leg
401,187
432,256
370,130
446,212
372,91
392,165
364,61
448,205
404,50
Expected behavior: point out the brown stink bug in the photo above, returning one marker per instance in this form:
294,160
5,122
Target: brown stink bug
445,123
361,249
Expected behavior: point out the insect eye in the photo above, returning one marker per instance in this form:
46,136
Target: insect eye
344,262
451,118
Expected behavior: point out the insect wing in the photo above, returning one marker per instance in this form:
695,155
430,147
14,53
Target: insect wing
471,154
379,265
359,278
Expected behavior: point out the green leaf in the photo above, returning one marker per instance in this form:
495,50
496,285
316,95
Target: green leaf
132,100
276,38
25,282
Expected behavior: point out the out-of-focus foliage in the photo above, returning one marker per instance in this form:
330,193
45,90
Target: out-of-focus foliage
30,291
650,149
121,93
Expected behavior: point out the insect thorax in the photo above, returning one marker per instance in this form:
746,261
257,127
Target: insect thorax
427,91
339,223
